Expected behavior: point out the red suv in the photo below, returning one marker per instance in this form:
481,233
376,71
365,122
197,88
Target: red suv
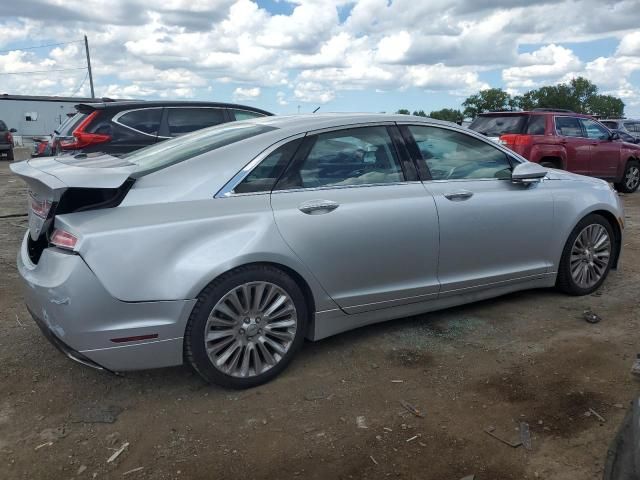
566,140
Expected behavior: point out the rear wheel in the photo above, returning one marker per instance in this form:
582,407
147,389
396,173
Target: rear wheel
10,154
246,327
587,256
630,178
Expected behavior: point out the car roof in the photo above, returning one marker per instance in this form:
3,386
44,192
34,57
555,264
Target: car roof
88,107
299,123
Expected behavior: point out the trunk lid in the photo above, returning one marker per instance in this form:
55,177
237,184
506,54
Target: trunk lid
68,184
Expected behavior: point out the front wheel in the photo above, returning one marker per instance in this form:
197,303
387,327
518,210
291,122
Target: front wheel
246,326
630,178
587,256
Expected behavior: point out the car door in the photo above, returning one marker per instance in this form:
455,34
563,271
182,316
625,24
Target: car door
357,216
577,146
181,120
491,230
604,152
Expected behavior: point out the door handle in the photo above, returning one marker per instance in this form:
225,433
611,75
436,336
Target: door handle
459,196
317,207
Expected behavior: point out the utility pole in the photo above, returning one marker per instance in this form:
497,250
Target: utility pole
86,47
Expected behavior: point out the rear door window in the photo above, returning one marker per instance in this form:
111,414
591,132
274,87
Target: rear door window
355,156
245,114
496,125
568,127
145,121
185,120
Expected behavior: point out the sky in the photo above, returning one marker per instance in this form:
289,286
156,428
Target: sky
296,55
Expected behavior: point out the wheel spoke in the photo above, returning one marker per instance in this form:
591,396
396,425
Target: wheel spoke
250,329
590,255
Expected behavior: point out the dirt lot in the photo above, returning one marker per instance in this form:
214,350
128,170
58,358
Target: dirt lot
524,357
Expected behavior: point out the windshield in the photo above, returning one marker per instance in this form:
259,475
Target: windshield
610,124
170,152
496,125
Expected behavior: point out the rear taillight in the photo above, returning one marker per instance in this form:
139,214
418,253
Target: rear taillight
82,139
516,140
9,138
63,239
40,208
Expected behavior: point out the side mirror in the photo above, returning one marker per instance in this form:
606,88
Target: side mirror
528,173
13,130
614,136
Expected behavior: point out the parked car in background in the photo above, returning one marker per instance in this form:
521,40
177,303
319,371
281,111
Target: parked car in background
625,137
228,246
117,128
6,140
627,125
565,140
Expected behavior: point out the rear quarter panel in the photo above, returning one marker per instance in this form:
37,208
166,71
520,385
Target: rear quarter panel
172,251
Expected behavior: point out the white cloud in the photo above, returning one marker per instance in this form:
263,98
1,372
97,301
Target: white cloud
182,48
241,94
548,64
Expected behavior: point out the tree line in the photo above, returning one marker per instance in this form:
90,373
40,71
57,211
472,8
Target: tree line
579,95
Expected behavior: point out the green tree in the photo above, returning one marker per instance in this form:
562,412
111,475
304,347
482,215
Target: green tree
404,111
448,114
419,113
606,106
579,95
486,101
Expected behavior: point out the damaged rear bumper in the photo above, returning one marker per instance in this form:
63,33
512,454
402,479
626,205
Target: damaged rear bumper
81,318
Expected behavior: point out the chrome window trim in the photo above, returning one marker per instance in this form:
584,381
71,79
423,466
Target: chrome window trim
116,118
342,187
227,190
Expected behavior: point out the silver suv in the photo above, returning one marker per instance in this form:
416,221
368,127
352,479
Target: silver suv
626,125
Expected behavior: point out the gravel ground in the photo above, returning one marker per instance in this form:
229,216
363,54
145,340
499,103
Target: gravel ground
338,411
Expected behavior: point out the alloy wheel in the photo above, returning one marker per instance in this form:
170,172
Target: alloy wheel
590,255
632,178
250,329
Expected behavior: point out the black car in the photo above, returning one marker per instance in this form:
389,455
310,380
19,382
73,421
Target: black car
6,140
117,128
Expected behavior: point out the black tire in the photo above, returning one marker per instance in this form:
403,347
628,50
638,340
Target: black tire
194,342
565,281
626,186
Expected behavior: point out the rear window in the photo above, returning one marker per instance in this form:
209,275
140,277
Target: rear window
170,152
536,125
3,126
246,114
496,125
69,125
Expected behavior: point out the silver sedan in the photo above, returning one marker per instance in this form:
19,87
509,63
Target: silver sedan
226,247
